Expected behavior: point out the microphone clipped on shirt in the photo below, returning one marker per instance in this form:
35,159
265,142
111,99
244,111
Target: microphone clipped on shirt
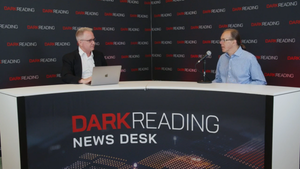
208,53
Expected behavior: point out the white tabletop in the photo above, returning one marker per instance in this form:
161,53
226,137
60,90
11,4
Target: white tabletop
224,87
66,88
148,85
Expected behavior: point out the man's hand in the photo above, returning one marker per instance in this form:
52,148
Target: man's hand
86,80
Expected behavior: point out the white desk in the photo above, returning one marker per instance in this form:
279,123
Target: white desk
20,141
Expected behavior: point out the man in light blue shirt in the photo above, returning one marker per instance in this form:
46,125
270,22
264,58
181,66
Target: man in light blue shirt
237,65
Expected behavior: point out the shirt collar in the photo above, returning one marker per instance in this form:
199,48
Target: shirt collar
237,53
82,53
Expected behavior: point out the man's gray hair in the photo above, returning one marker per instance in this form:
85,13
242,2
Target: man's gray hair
80,32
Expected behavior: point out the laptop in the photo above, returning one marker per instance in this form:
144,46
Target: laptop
103,75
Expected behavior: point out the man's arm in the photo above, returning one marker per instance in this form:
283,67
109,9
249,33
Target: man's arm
68,70
218,76
99,58
257,76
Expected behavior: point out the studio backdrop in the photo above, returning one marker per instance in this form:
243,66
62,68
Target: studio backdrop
184,30
152,40
36,34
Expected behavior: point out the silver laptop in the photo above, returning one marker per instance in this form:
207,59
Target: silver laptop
103,75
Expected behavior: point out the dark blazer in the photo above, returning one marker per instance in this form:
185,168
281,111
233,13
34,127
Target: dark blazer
72,68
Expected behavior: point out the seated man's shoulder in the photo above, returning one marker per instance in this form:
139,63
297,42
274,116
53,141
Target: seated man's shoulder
71,54
248,55
97,52
223,55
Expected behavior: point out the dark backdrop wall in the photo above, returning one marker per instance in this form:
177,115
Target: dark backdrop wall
183,30
36,34
158,39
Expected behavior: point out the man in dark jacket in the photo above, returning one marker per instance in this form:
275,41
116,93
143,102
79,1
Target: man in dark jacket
78,65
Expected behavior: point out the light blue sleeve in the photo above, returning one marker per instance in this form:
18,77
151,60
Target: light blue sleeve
257,76
218,75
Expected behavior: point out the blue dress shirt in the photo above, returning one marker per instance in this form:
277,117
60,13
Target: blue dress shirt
242,67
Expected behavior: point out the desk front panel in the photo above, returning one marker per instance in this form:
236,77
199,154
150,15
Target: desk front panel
156,129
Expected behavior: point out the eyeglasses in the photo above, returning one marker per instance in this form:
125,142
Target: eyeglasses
225,40
90,40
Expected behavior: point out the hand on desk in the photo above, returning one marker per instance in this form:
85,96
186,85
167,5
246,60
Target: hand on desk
86,80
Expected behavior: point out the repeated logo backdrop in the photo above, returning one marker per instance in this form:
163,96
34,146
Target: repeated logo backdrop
183,30
158,39
36,34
